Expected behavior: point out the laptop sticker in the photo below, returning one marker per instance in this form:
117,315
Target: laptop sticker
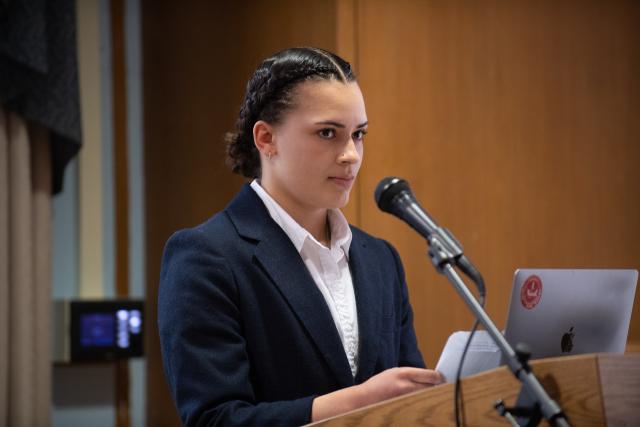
531,292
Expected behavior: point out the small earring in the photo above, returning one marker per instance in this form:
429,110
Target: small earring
269,154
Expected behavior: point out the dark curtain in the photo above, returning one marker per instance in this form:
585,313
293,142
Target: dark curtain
39,73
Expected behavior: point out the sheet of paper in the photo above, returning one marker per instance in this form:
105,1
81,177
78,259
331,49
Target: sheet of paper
483,354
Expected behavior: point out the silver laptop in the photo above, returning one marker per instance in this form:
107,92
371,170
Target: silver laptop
563,312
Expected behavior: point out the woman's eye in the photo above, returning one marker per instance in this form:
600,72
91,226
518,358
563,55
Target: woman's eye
359,134
327,133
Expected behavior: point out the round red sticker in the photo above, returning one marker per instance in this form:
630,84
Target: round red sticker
531,292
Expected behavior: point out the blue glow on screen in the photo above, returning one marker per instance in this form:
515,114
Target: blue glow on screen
97,330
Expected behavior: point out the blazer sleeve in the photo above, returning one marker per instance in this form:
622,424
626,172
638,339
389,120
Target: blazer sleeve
409,352
203,348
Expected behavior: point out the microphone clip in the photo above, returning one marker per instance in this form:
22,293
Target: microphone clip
444,248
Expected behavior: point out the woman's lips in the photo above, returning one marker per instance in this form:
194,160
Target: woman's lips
344,182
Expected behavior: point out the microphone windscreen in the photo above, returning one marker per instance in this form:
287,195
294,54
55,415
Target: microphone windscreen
387,190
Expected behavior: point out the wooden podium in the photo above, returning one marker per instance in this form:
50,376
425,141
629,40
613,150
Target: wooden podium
592,389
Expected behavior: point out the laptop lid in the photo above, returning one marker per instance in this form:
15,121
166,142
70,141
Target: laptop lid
562,312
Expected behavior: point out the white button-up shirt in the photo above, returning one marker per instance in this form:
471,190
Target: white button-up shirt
329,268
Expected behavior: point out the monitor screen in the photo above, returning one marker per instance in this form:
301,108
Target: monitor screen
97,329
106,330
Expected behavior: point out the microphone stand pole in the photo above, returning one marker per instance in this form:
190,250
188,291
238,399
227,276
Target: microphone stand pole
444,259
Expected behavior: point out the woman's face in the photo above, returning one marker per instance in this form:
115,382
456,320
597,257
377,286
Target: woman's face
318,146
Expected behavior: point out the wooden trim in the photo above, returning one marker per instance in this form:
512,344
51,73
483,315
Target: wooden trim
123,401
119,81
120,147
347,47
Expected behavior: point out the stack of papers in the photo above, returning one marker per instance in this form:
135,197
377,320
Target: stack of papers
483,354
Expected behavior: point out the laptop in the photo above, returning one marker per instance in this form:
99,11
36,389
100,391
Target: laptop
565,312
556,312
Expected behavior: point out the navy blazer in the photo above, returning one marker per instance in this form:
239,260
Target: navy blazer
247,337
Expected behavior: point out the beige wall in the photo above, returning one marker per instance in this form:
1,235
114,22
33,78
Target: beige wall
515,122
90,175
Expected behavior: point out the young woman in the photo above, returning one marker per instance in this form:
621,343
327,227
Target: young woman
275,311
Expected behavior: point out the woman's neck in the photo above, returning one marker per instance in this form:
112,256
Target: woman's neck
315,221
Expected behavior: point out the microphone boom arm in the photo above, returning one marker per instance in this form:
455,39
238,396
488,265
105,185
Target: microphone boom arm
440,240
393,195
443,254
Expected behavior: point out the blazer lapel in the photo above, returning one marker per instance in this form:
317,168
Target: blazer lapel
282,262
367,282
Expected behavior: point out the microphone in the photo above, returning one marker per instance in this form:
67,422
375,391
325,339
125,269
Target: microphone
393,195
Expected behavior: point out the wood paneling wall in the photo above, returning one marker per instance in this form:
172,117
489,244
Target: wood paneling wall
518,126
516,123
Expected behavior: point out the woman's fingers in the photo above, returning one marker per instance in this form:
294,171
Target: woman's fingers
423,376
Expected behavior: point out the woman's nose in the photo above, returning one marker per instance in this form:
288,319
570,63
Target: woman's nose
350,153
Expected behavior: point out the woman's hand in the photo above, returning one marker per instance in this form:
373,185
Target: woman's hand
398,381
387,384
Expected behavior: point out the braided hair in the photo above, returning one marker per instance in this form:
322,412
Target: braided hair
270,93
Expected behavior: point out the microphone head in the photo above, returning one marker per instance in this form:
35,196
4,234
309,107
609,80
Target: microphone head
388,189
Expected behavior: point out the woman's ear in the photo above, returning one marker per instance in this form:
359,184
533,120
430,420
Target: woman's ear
263,138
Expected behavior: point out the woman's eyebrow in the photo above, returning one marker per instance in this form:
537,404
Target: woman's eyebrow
339,125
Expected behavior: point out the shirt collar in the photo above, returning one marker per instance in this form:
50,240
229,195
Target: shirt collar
340,231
